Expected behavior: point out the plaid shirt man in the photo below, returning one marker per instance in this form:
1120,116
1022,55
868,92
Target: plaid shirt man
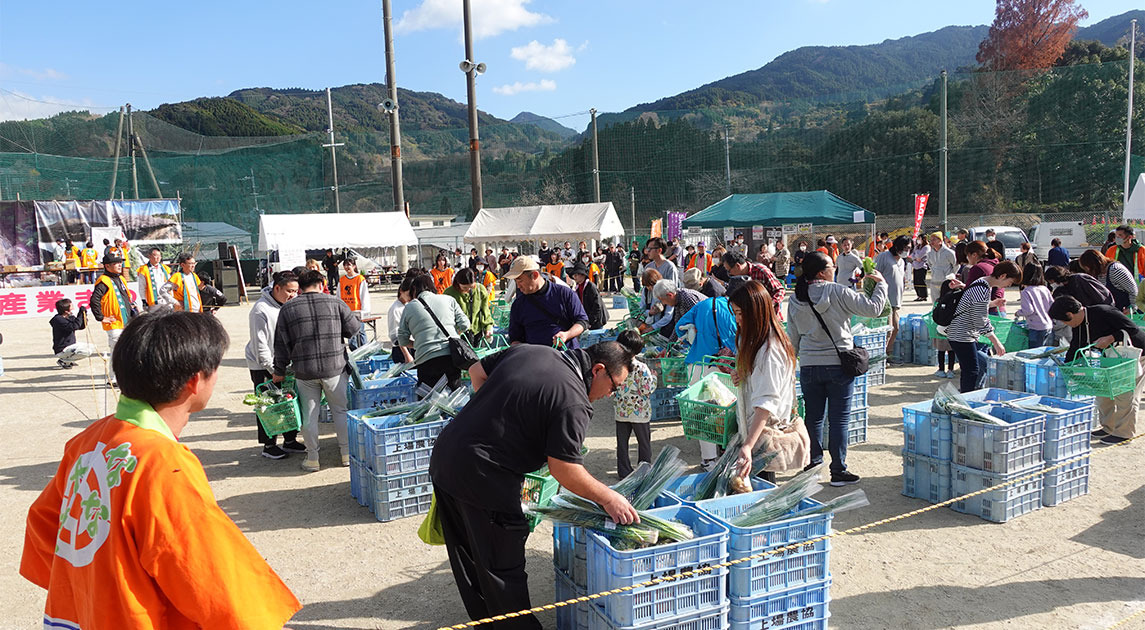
764,275
310,335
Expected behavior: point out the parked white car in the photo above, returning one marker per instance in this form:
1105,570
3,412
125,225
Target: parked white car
1071,233
1010,237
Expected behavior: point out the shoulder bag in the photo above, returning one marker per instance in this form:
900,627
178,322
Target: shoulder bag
855,361
459,350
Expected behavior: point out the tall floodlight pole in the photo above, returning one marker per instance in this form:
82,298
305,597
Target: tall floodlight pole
471,70
595,159
632,191
1129,116
943,151
728,156
333,150
391,108
115,162
131,148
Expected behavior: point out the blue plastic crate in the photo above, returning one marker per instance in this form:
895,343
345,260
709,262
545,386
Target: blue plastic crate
403,508
683,488
1065,483
906,331
993,394
924,353
925,477
353,434
779,572
857,426
380,393
860,391
358,474
593,337
875,341
926,432
903,349
999,449
609,568
1006,372
877,375
804,608
619,301
1044,377
573,616
1067,433
918,329
664,404
712,619
393,488
999,505
391,449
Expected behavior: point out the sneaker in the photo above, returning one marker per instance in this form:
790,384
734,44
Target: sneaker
1113,439
843,479
310,464
940,374
950,374
271,451
64,364
708,465
895,361
1100,433
294,446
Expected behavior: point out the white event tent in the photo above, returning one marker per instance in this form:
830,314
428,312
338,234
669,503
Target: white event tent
369,233
1135,207
566,222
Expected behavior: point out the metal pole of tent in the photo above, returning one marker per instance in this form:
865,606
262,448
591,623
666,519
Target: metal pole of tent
595,159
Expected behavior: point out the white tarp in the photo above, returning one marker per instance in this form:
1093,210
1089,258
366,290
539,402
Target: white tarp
571,222
358,230
1135,207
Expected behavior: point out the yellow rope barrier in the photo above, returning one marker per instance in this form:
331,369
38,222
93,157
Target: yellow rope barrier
791,547
1128,619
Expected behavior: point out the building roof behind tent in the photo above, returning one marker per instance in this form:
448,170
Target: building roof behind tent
818,207
442,237
324,230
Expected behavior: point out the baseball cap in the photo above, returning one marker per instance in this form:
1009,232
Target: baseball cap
110,259
831,239
520,266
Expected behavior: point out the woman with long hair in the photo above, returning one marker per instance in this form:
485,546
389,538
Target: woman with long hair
765,373
473,298
1115,276
819,324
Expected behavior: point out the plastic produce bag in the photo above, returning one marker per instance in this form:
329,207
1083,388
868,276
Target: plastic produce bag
713,390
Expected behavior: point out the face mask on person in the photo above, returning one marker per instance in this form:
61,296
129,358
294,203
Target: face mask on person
802,247
1120,240
480,268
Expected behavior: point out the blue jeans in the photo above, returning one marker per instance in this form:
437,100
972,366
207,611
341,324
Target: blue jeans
972,360
1038,337
827,394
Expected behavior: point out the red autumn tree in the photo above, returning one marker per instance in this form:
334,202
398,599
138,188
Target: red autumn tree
1029,34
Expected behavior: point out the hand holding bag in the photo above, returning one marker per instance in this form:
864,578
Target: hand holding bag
459,350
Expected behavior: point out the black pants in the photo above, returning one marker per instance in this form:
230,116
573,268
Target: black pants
614,281
258,377
431,371
920,283
643,445
487,554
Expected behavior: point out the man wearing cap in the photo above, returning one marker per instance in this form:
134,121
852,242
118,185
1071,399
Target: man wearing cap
701,259
544,312
182,290
152,277
110,302
832,248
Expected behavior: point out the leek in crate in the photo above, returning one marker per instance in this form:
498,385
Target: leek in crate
775,505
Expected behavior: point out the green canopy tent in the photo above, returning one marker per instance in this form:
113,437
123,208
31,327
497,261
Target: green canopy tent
818,207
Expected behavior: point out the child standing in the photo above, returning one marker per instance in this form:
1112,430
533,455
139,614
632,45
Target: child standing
1036,300
942,345
64,327
633,406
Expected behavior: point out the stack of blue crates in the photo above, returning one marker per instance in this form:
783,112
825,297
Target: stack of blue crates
1067,437
860,407
664,405
904,341
790,589
924,352
926,453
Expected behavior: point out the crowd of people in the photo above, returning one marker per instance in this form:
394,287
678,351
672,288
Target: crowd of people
727,307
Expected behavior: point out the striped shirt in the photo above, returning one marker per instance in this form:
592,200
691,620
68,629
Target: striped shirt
1119,279
971,318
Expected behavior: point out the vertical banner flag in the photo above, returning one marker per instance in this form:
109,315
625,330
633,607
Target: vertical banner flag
919,210
675,224
657,228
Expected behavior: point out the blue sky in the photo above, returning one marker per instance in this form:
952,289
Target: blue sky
551,57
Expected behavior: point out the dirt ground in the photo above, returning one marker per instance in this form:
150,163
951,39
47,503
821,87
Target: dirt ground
1078,565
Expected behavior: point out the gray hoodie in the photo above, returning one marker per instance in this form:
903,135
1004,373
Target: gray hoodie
835,304
262,319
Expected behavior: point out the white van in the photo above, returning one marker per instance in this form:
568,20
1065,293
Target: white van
1010,237
1071,233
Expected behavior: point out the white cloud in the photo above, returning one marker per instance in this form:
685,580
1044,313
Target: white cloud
21,106
490,17
538,56
38,74
544,85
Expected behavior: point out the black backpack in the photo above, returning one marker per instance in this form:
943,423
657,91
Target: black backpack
946,306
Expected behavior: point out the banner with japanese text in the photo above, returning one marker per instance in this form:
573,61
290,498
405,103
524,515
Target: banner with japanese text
18,303
675,224
919,210
657,228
